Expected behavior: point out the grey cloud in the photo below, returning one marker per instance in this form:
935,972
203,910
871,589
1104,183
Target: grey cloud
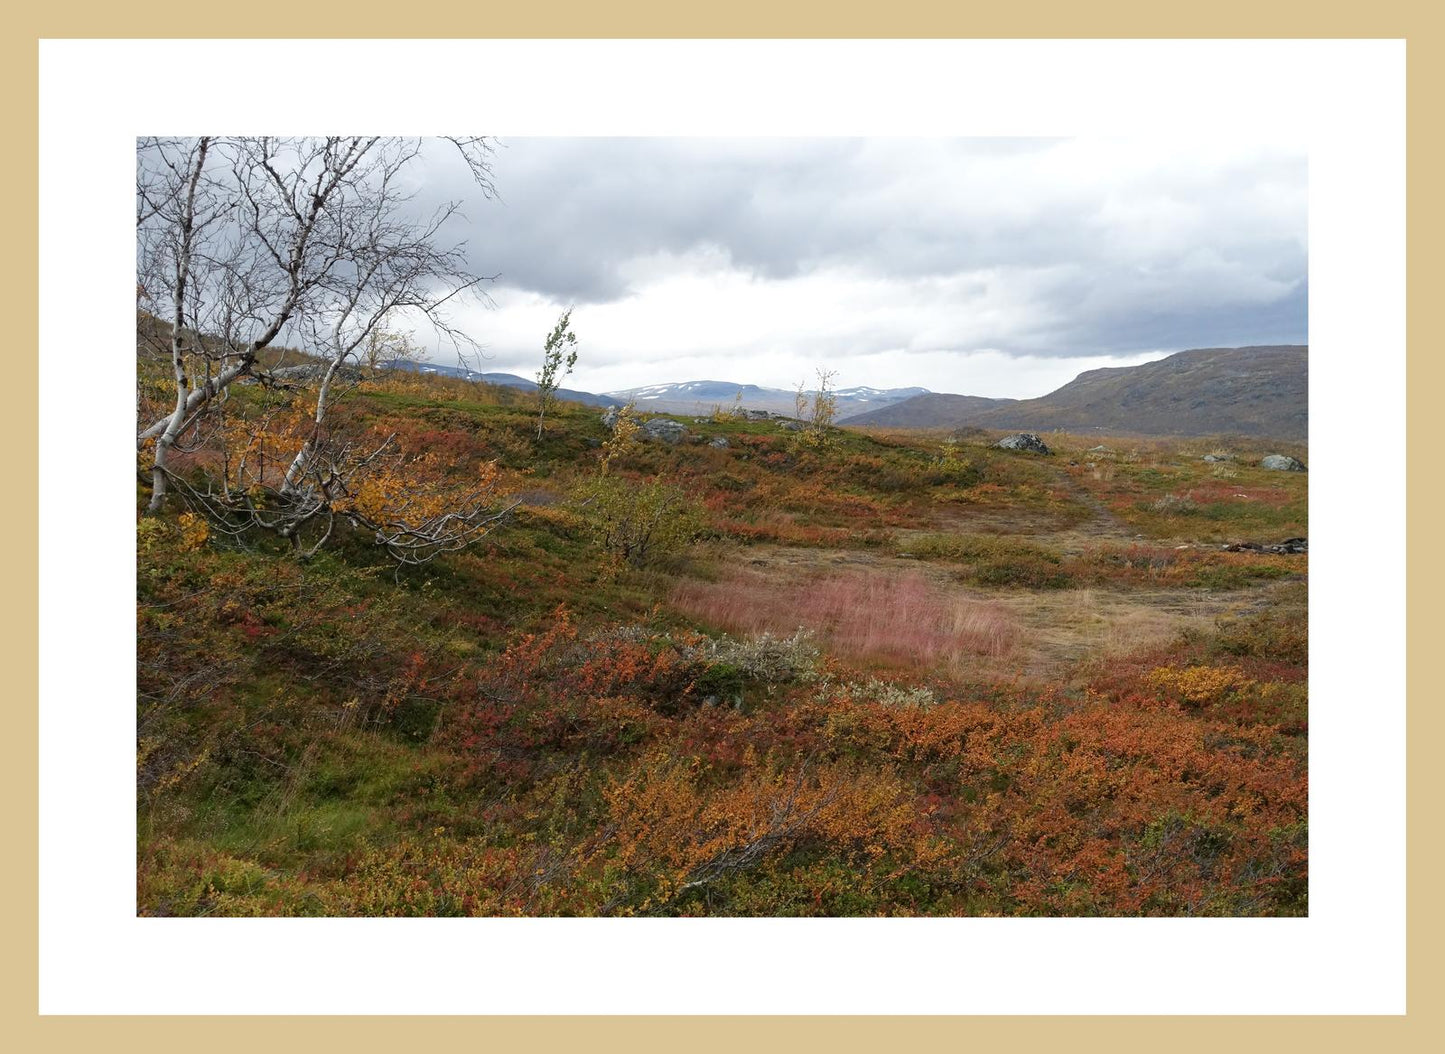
1180,251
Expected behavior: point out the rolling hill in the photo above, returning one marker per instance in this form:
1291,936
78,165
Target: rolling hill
931,410
505,380
1256,391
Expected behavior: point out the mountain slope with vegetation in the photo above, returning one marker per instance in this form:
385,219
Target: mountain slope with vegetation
1257,391
931,410
500,380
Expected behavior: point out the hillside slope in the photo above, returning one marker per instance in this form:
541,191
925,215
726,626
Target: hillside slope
504,380
930,410
1255,391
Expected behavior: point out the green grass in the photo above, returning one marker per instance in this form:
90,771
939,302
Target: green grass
992,560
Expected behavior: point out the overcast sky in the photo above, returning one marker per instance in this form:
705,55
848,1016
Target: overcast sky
998,267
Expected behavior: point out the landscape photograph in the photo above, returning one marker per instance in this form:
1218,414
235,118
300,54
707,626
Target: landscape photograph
772,527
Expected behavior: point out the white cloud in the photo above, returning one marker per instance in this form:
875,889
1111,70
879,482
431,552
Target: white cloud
906,261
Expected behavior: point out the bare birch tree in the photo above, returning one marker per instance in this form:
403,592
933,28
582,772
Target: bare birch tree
245,240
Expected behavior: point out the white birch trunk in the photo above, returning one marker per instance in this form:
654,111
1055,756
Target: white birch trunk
173,423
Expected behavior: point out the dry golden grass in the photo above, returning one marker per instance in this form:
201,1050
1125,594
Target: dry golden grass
1080,628
860,614
895,611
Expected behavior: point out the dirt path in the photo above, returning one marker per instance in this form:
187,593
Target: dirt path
1102,523
1058,530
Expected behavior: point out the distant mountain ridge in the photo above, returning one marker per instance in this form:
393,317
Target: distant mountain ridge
693,397
686,397
1255,391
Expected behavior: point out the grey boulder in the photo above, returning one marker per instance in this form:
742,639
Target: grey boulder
1282,463
1029,441
665,429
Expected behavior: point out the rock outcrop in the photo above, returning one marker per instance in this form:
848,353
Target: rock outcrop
1282,463
1028,441
308,372
665,429
1288,547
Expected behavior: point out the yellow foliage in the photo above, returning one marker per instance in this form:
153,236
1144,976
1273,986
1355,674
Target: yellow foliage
624,437
1199,685
150,535
413,493
194,531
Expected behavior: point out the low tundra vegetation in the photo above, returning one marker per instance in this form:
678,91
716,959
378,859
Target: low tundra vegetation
772,678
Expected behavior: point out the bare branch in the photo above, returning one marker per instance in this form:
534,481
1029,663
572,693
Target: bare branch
245,240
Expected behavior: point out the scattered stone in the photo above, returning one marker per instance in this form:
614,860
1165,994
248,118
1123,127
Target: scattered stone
1100,448
1028,441
1212,458
609,416
1283,463
791,426
720,442
1288,547
665,429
